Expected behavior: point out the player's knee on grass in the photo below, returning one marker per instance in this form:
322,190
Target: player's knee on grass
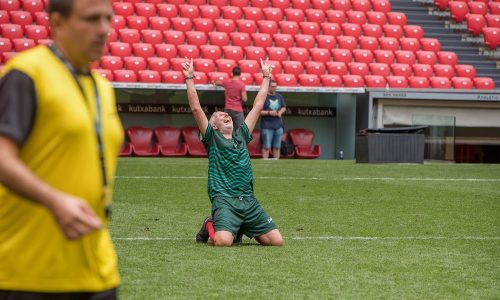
272,238
223,239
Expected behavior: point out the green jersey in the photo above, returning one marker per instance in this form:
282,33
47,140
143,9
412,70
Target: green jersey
229,170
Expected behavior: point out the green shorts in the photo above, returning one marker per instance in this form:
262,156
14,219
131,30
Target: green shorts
243,214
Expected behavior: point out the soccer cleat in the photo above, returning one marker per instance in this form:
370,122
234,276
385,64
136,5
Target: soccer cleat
202,235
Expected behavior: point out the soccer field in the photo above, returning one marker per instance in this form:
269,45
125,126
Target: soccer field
352,231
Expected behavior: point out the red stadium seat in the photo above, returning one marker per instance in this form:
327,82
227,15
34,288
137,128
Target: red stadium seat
336,16
259,3
384,56
255,146
172,77
169,141
292,67
213,52
430,44
353,81
397,81
316,15
137,22
320,54
394,31
267,26
356,17
140,139
134,63
494,7
181,24
200,78
462,83
475,23
336,68
204,65
458,10
118,22
309,80
253,13
108,74
238,3
247,26
315,67
478,7
152,36
12,31
381,6
304,41
396,18
189,11
5,45
209,12
286,79
413,31
167,10
409,44
255,53
289,27
175,2
174,37
426,57
362,55
368,43
258,78
197,38
145,9
203,24
159,64
176,63
149,76
380,69
167,51
350,29
225,65
401,70
330,28
376,18
372,30
342,55
484,83
123,8
4,17
129,35
159,23
331,80
283,40
10,5
143,49
375,81
358,68
124,76
447,58
23,44
225,25
112,62
277,53
33,6
241,39
343,5
218,38
302,4
272,14
249,66
294,14
232,12
191,51
233,52
423,70
120,49
361,5
326,41
36,32
112,35
347,42
263,40
441,4
440,82
417,82
389,43
298,54
465,71
281,4
493,20
6,56
195,147
247,78
491,37
22,18
405,57
444,70
311,28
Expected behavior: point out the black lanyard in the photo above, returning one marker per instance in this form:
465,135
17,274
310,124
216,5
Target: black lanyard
97,123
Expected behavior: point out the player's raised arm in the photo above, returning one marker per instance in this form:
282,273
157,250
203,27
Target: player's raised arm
194,102
258,103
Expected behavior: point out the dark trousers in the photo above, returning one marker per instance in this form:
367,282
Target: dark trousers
111,294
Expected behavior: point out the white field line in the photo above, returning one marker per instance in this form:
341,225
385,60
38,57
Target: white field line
338,238
326,179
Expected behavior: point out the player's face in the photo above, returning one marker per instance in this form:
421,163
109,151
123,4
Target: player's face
223,121
272,88
84,32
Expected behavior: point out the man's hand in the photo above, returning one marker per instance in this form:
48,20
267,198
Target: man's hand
74,216
274,113
266,67
187,67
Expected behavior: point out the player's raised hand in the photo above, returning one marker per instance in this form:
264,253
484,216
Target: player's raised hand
187,67
266,67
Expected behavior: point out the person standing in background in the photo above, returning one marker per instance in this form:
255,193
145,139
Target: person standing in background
60,136
235,94
271,123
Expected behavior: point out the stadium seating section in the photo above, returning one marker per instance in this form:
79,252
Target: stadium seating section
306,40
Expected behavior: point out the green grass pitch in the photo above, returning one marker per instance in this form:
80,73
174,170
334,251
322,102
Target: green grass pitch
352,231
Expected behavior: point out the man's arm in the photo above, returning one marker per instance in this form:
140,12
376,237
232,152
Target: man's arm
217,83
194,102
244,96
258,104
75,217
